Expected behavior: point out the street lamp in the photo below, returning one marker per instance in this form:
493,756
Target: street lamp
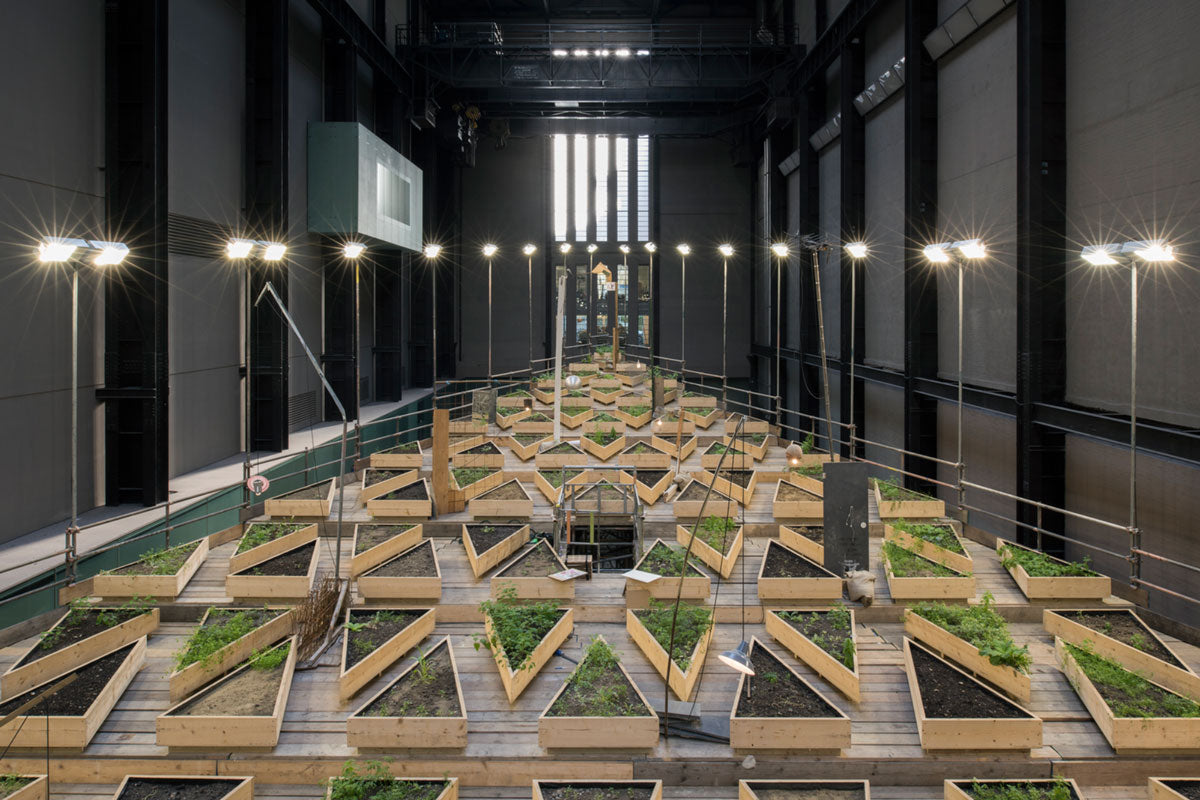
726,251
651,248
432,252
1151,252
857,251
352,251
684,251
529,250
489,251
780,251
959,253
591,251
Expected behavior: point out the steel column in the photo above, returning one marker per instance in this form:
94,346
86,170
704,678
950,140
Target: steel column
853,224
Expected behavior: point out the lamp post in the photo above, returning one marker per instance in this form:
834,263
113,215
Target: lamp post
529,250
591,251
431,252
352,251
565,249
629,337
857,251
684,251
726,251
651,248
489,251
781,251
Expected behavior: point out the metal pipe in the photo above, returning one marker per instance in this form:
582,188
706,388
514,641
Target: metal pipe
433,289
853,337
489,372
778,339
816,261
1135,535
357,368
74,526
959,467
1036,504
531,312
558,346
724,328
683,311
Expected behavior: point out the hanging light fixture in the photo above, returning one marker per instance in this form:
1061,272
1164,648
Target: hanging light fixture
738,659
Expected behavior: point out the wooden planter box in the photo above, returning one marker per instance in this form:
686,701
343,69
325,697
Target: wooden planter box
966,655
787,733
634,421
77,731
481,563
682,683
467,442
697,400
636,399
483,508
650,494
524,451
832,670
364,731
575,420
240,787
734,459
187,680
961,587
742,494
961,562
403,509
384,551
282,506
576,458
606,396
797,509
1160,790
275,547
751,425
507,420
614,425
603,451
534,588
160,587
667,428
722,564
544,394
696,586
173,729
272,587
794,540
824,590
960,790
907,509
484,484
746,789
39,789
468,425
548,489
587,733
1179,678
377,488
416,587
1067,587
960,733
610,493
690,509
631,377
812,459
22,677
666,443
656,793
391,460
491,460
529,425
805,482
368,669
515,681
508,401
657,459
758,451
1126,734
700,420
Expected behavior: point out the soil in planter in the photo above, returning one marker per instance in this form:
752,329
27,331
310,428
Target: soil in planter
562,449
250,693
377,628
774,691
485,537
1122,626
12,783
828,630
505,491
791,493
318,491
807,792
783,563
575,411
82,621
381,475
587,791
538,562
160,562
407,447
167,789
259,533
650,477
894,492
468,476
1128,694
416,562
221,627
907,564
485,449
76,699
665,560
527,439
425,691
948,694
691,625
374,535
814,471
598,688
1189,789
414,491
290,564
738,477
641,448
555,476
719,533
814,533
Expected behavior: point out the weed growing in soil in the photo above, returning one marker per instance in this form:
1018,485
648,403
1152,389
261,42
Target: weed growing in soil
518,628
363,647
206,640
10,783
266,660
554,477
890,490
603,437
374,782
940,535
839,644
167,561
636,411
1058,789
597,689
700,411
907,564
259,533
809,444
715,530
604,416
693,621
1040,565
812,471
1127,693
981,626
465,476
107,616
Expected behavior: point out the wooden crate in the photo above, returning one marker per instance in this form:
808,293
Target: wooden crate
22,677
1179,678
588,733
632,420
185,681
788,733
650,494
368,669
386,459
492,459
797,509
959,790
578,458
575,420
531,588
369,489
240,787
966,655
549,491
657,459
383,587
275,547
961,587
743,494
698,400
480,507
283,507
700,420
272,587
480,486
403,509
959,733
962,562
682,683
368,732
603,451
516,681
823,590
668,428
803,545
74,732
1066,587
831,669
722,564
173,729
1129,734
733,459
160,587
507,420
384,551
482,563
750,425
907,509
615,425
525,451
697,586
666,442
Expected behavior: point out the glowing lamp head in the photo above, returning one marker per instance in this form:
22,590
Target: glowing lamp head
432,250
856,249
110,253
274,251
651,247
573,381
564,248
353,249
580,52
684,249
489,250
780,249
622,52
794,452
937,253
625,249
738,659
971,249
239,248
726,250
591,248
559,53
529,249
1101,255
1153,252
55,250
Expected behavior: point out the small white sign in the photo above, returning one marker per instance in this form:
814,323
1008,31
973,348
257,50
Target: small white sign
642,577
568,574
611,286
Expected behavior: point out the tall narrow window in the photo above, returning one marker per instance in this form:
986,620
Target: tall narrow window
561,179
643,187
602,188
581,187
622,156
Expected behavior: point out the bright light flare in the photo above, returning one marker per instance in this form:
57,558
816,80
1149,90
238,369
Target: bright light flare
239,248
110,253
726,250
684,249
559,53
274,251
937,253
780,249
564,248
622,52
651,247
353,249
432,250
57,250
489,250
1154,252
624,249
591,248
856,249
529,249
1101,255
581,52
971,248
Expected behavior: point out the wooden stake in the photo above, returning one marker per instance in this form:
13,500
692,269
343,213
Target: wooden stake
441,459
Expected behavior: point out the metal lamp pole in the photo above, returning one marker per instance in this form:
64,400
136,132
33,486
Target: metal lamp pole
726,251
651,248
431,252
529,250
684,252
781,251
856,251
489,250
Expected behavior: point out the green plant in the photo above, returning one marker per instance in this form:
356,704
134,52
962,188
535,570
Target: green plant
206,640
810,624
1059,789
664,560
940,535
1040,565
982,627
691,624
267,659
809,444
465,476
166,561
597,686
517,629
907,564
375,782
423,673
812,471
636,411
259,533
555,476
1127,693
1139,641
714,531
890,490
700,411
604,436
11,783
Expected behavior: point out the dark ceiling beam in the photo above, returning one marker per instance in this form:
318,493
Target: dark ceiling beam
632,125
374,50
829,46
674,96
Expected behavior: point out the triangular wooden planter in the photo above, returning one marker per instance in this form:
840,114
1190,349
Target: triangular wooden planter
384,507
682,683
378,482
487,455
651,494
1060,587
794,539
573,457
723,456
507,416
395,458
351,679
665,440
961,562
655,787
577,419
525,451
824,589
449,793
743,494
603,451
549,490
484,506
516,681
961,790
303,534
786,733
1168,788
1012,682
482,563
907,509
936,587
243,586
38,788
373,556
465,440
187,680
651,457
669,425
748,790
633,420
756,449
487,482
696,586
175,729
834,672
786,506
239,788
368,731
959,733
624,733
374,586
721,563
699,420
160,587
286,505
534,588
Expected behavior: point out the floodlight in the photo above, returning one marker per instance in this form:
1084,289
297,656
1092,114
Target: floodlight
239,248
432,250
560,53
604,53
856,249
1153,251
643,52
591,248
1101,255
489,250
651,247
111,253
580,52
622,52
971,248
726,250
780,249
564,248
273,251
938,253
55,249
353,249
738,659
625,249
529,249
684,249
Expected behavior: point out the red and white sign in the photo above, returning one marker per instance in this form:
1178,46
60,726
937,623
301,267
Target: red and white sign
258,484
